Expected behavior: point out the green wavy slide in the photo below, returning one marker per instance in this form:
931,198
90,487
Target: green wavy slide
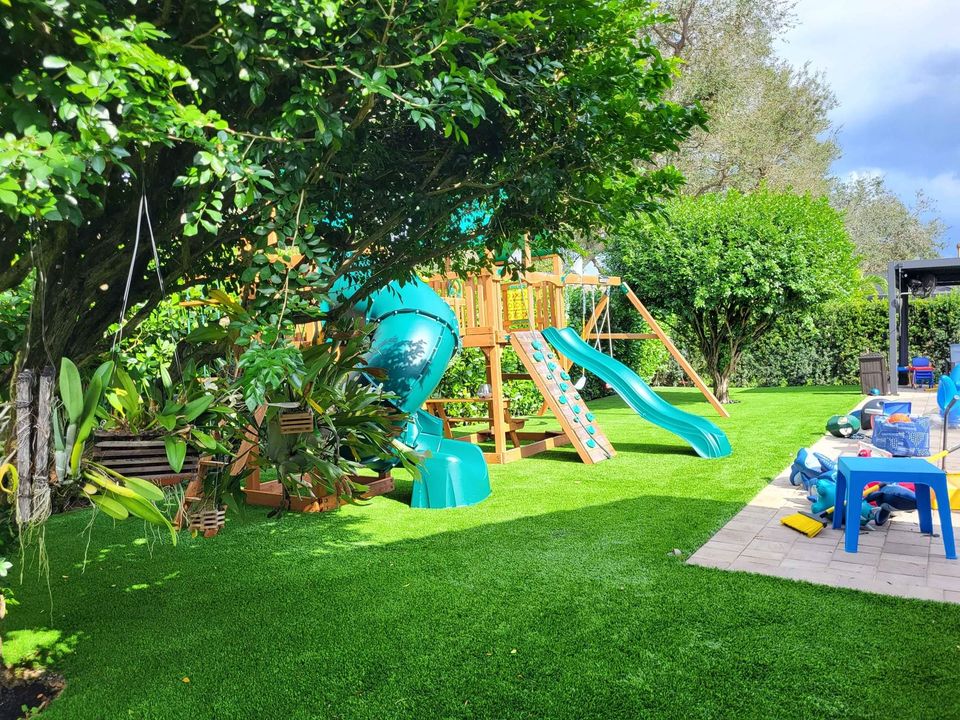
706,438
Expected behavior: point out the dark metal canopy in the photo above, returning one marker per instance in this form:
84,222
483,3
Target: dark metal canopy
913,278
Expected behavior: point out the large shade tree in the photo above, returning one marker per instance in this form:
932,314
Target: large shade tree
884,228
728,266
354,132
768,120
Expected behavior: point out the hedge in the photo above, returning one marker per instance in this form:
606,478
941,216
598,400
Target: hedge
820,348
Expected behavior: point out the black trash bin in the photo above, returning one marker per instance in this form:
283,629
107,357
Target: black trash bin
873,373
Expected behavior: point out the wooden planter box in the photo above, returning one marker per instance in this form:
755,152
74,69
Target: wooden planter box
142,456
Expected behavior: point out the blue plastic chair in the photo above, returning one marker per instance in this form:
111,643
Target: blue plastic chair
922,371
853,474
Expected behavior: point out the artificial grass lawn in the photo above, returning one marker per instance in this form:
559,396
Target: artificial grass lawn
556,598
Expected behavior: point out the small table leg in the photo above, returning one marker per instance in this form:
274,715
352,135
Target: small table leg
923,508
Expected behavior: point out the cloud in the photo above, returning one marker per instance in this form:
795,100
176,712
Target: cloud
878,54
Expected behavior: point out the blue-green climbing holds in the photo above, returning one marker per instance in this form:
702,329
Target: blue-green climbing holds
590,417
564,386
551,356
565,376
538,356
537,345
549,376
591,429
591,444
551,366
576,408
561,399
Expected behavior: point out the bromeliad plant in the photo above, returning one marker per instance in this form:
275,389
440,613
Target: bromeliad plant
116,495
178,413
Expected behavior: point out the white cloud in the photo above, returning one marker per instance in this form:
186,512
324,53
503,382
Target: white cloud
878,54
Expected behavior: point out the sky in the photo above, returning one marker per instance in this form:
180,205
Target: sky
894,66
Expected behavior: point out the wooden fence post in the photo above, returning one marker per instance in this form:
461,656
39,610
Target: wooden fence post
24,448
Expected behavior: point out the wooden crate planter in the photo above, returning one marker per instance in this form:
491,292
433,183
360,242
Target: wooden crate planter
296,422
142,456
314,497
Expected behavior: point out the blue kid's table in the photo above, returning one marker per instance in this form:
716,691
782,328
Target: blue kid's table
853,474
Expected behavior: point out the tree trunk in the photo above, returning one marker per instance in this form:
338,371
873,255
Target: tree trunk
33,449
721,385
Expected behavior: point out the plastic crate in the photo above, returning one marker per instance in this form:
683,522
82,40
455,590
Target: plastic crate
903,439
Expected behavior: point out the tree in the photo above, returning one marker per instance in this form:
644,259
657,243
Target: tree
729,265
352,133
768,120
883,228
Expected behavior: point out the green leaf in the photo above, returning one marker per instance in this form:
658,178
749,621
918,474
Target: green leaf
55,62
147,490
167,422
71,390
208,333
166,379
205,440
176,449
196,408
111,507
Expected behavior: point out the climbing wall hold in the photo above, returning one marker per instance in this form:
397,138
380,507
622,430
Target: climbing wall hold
549,376
589,417
538,356
551,366
564,386
551,356
565,376
561,399
537,345
576,408
591,444
591,429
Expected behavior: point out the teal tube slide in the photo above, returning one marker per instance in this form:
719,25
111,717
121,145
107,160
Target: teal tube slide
415,338
706,438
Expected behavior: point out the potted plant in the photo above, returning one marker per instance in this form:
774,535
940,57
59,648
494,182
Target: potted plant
114,493
156,431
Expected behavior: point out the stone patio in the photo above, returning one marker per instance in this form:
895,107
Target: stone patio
893,560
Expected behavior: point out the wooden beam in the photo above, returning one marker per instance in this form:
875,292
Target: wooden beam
622,336
677,355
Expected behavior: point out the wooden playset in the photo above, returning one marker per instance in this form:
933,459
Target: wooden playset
494,311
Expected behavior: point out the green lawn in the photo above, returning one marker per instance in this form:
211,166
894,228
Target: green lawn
557,598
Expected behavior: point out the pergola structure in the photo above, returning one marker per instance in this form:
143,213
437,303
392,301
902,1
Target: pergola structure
917,278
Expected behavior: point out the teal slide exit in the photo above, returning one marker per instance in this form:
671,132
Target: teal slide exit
706,438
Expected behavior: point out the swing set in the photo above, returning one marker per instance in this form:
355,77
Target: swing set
494,311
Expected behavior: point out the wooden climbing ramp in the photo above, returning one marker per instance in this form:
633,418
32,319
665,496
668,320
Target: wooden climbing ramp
576,420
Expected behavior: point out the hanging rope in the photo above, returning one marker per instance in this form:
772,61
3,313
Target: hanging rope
143,211
609,323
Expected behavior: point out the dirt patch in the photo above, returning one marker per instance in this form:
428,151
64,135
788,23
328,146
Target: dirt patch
35,689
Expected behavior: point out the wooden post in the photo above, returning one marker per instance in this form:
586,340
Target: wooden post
24,447
496,404
249,449
40,493
677,355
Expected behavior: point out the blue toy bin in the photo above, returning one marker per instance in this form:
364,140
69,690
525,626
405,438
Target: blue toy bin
903,439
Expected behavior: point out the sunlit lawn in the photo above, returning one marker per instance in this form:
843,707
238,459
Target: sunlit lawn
559,597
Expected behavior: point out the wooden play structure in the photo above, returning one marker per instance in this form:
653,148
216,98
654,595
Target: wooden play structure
494,311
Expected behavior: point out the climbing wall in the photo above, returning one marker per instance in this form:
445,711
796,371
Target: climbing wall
562,398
